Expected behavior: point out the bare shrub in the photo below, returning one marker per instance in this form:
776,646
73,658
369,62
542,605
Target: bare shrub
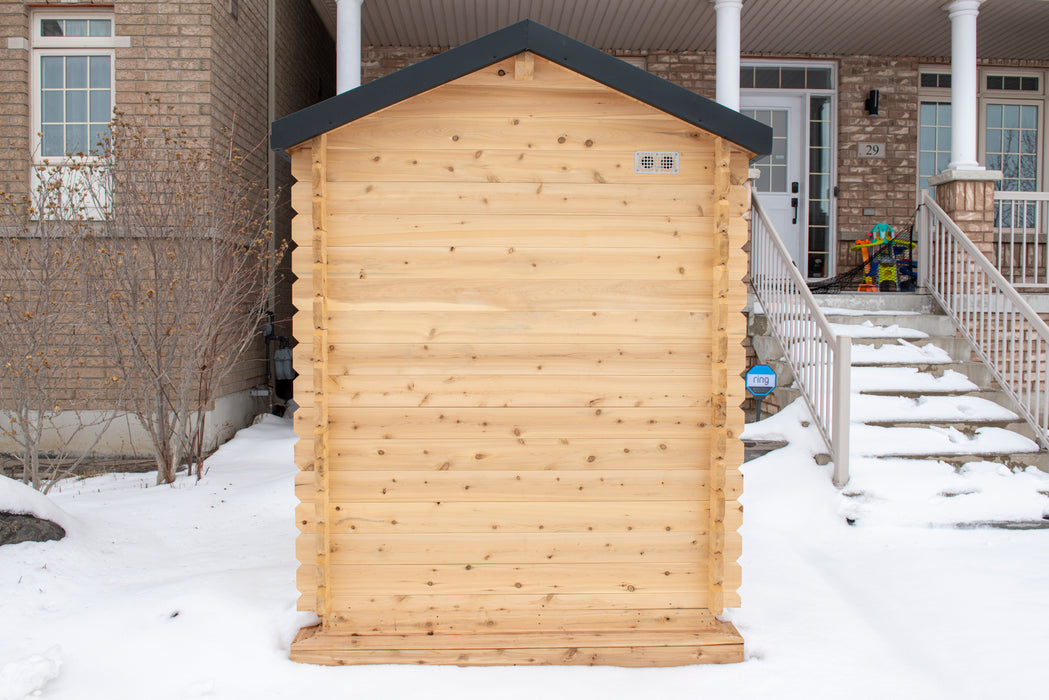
182,263
45,329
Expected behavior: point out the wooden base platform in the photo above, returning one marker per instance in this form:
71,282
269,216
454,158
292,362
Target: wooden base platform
718,645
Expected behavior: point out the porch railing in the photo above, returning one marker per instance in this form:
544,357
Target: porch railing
1022,237
819,358
1005,331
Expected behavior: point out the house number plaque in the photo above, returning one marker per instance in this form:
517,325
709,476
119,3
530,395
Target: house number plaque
866,149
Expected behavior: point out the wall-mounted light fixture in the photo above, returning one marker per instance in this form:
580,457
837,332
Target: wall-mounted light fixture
871,104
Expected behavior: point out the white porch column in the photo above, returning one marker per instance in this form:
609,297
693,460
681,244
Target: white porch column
348,45
727,82
963,84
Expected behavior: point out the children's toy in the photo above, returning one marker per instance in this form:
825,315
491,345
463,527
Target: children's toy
883,255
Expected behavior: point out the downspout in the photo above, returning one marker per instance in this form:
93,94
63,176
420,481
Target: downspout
271,164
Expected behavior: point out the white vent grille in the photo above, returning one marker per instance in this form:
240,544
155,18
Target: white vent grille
656,162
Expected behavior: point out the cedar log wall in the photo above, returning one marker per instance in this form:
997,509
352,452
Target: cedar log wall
523,410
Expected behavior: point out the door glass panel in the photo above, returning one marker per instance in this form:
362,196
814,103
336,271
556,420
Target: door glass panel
773,167
819,218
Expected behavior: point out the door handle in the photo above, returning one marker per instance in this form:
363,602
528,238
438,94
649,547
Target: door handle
794,203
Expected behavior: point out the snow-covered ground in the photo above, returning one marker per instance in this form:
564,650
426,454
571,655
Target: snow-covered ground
189,591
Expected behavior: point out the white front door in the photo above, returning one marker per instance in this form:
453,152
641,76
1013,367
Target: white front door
782,185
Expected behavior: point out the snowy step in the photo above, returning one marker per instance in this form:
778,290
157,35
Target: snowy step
901,352
977,493
869,329
906,381
874,409
958,348
928,325
976,372
877,441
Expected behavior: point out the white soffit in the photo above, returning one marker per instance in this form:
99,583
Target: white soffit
1007,28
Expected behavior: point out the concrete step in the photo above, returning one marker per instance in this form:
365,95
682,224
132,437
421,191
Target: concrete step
880,326
966,427
753,449
1013,460
1042,524
886,301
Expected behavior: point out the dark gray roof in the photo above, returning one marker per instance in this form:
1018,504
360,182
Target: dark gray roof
492,48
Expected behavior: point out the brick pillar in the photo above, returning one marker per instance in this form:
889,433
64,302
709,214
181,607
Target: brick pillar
967,196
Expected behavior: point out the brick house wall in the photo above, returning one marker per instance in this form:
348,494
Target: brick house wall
206,67
14,105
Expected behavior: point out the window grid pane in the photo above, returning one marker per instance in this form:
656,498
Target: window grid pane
773,167
934,140
785,77
1012,147
819,187
75,103
76,27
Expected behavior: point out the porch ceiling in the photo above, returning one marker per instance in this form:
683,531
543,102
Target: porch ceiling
1014,29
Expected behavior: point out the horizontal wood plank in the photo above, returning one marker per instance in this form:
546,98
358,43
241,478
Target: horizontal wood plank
484,327
517,548
715,633
510,263
498,165
509,199
519,423
351,483
509,453
564,485
590,100
424,604
686,390
527,228
580,135
517,620
511,548
566,359
472,517
350,293
542,579
637,656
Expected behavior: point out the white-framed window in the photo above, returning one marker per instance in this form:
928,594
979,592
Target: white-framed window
1010,121
1012,112
71,81
934,123
71,85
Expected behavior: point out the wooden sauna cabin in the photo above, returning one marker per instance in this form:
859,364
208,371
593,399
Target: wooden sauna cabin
520,275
